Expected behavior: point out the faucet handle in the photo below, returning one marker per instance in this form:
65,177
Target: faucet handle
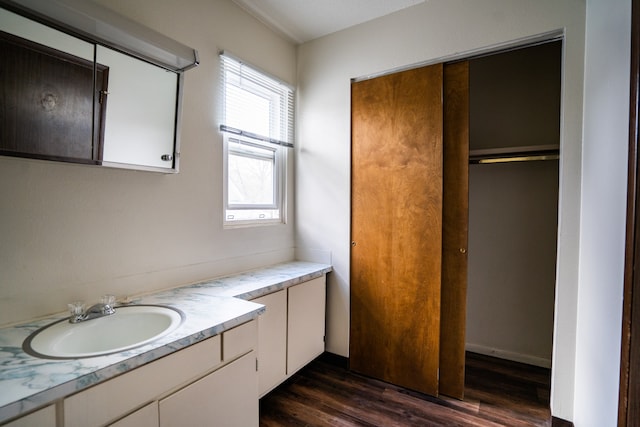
108,299
76,308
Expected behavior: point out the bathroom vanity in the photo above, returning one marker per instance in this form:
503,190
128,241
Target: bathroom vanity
242,335
205,381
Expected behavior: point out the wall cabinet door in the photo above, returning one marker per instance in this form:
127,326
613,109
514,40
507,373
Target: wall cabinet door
272,341
226,397
305,323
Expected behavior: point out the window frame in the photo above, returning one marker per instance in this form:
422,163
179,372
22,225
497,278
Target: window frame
279,184
281,115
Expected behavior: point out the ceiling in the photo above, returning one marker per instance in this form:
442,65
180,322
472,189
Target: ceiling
304,20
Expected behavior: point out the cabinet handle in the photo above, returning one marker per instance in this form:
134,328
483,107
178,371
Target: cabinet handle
463,250
353,243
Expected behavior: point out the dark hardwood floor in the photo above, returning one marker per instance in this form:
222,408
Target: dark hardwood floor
325,393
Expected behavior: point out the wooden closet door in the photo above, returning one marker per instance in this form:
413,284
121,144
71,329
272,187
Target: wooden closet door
455,217
396,226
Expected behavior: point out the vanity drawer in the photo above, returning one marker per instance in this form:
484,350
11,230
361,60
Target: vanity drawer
239,340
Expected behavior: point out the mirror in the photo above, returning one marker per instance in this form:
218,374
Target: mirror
66,99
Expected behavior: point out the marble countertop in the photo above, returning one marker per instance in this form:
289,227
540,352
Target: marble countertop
211,307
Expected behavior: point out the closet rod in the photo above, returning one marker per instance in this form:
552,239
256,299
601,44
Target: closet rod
514,154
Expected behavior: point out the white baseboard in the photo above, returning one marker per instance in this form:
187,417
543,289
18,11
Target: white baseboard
509,355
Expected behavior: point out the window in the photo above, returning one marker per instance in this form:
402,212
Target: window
254,183
258,128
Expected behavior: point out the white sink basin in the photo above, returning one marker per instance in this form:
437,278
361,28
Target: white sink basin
130,326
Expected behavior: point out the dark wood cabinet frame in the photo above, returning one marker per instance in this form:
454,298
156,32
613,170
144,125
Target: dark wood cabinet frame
52,103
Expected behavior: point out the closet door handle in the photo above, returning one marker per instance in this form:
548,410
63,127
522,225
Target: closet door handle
463,250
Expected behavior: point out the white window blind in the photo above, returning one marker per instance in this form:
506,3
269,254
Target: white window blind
256,105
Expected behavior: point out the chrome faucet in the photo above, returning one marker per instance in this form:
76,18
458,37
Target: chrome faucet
103,308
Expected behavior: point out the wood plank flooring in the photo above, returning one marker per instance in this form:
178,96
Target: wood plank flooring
497,393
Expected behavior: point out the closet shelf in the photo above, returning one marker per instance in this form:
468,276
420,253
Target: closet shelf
514,154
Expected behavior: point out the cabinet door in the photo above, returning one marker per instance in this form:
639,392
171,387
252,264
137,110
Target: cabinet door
272,341
305,323
45,417
146,416
226,397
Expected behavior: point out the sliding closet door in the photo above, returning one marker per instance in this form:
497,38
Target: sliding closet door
396,226
455,216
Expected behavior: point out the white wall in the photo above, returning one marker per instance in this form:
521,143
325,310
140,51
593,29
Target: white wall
604,185
72,232
430,31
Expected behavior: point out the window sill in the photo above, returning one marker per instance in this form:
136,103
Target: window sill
252,223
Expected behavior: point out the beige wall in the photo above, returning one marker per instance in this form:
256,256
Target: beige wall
70,232
513,220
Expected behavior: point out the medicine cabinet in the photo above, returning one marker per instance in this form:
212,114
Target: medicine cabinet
81,84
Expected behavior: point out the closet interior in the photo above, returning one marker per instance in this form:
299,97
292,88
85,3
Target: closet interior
514,133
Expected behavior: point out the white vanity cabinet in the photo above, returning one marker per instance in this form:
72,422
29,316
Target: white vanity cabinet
217,381
290,332
227,397
45,417
196,386
305,323
272,341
